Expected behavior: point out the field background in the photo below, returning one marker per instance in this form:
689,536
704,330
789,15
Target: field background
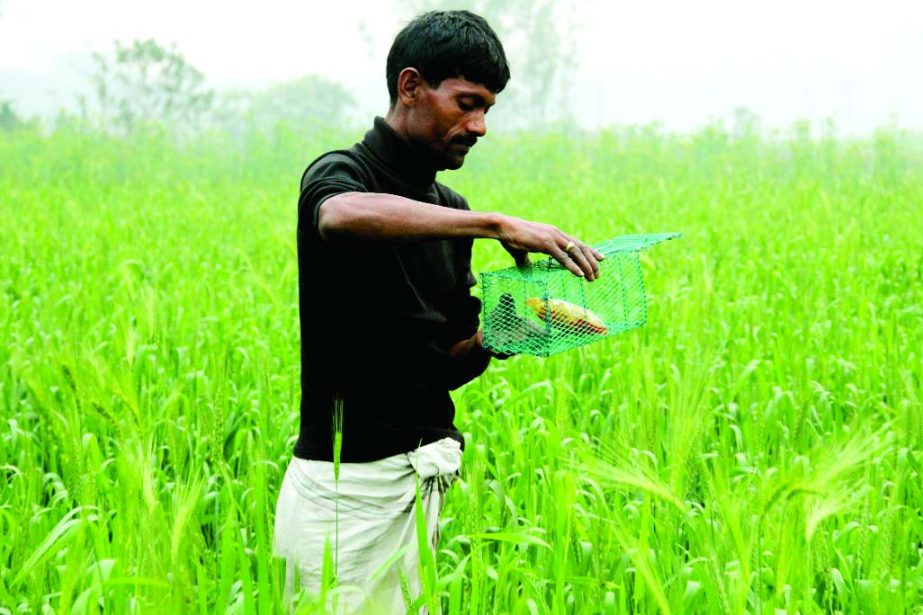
755,448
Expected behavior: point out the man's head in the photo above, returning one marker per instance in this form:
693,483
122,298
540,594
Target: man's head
444,71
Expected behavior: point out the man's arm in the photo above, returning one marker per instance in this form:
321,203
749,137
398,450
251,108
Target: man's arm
380,216
469,358
388,217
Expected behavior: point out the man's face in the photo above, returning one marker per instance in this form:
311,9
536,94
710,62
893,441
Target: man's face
450,119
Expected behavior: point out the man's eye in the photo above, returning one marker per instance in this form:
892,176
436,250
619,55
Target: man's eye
466,105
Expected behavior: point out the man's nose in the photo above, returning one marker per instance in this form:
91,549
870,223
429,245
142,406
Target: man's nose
478,124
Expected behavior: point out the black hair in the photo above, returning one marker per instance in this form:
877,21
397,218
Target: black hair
446,44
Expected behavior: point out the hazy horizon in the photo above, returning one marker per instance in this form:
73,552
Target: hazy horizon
674,63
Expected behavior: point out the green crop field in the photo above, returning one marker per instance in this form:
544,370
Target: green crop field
755,448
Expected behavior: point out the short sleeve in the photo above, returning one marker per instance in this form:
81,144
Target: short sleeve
329,175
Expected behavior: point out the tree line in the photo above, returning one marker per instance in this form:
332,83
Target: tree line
145,85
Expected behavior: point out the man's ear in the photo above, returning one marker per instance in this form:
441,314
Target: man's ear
409,85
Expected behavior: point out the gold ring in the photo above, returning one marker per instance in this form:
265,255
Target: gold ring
570,246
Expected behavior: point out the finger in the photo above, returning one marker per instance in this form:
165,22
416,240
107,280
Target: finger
586,263
558,254
508,247
520,257
592,259
599,255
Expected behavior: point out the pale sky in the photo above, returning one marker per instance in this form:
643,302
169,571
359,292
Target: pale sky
679,63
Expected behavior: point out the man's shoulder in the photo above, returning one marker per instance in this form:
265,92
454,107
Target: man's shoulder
347,161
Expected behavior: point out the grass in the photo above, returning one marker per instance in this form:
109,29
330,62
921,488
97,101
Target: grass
755,448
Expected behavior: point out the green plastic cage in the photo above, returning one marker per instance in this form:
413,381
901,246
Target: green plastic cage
543,309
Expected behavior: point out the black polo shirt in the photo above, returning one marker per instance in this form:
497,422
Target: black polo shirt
378,318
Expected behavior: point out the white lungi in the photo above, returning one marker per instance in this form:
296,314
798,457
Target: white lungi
367,516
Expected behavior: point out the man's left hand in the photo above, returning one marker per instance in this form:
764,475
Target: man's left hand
479,338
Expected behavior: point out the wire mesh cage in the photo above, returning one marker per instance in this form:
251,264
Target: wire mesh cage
543,309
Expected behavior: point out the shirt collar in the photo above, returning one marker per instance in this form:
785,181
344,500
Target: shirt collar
406,160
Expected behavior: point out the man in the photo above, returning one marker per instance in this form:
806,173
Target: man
388,322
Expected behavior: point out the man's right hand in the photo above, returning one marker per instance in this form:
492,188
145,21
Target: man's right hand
388,217
519,237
